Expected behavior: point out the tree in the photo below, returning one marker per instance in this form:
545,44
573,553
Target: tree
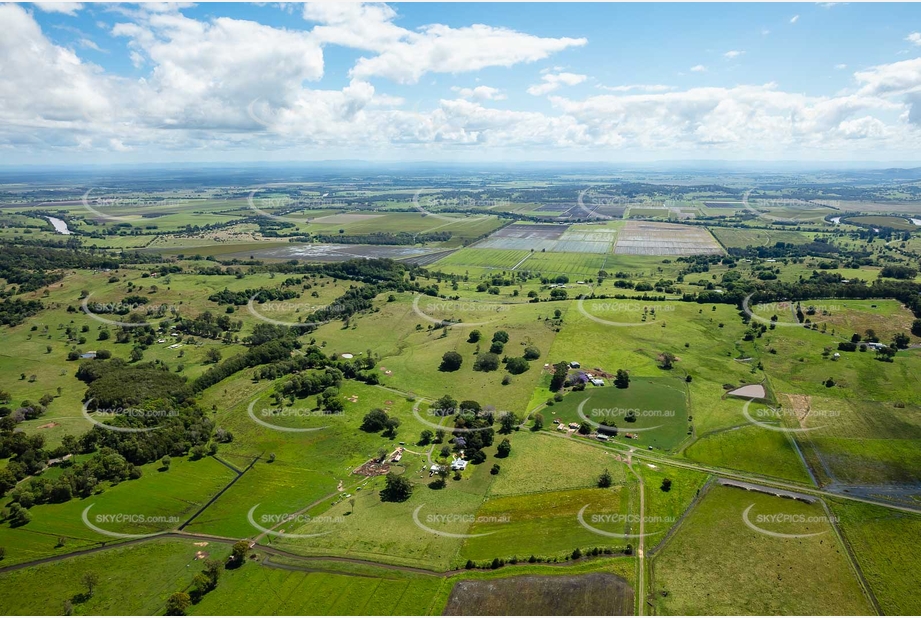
667,360
605,479
517,365
469,406
504,448
531,353
374,421
666,484
425,437
166,461
239,551
390,427
136,354
508,422
474,336
451,361
213,355
178,603
538,422
397,488
90,580
560,373
444,406
901,341
486,362
495,469
621,379
916,328
500,335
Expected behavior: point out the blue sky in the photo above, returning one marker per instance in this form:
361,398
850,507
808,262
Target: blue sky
485,81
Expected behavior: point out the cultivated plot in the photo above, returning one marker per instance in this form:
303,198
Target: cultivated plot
646,238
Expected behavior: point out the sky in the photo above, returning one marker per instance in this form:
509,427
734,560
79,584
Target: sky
463,82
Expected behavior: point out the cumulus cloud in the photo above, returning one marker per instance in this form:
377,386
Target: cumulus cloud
641,87
483,93
733,53
553,81
68,8
914,37
404,56
219,84
698,68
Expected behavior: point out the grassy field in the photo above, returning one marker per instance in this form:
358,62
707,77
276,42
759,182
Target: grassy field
660,406
748,237
883,542
715,564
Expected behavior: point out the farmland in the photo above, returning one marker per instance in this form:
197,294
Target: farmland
393,394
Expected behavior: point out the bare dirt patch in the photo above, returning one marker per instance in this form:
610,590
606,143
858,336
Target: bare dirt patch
593,594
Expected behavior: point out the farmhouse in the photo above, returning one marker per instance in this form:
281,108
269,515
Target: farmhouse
597,381
459,464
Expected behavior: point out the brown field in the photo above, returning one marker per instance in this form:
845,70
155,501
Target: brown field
593,594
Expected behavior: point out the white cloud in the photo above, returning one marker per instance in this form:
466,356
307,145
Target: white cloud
553,81
765,32
898,78
483,93
640,87
840,67
68,8
733,53
226,84
404,56
794,19
90,44
914,37
698,68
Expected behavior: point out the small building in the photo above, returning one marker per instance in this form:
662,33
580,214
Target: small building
90,354
876,346
597,381
574,364
459,464
602,437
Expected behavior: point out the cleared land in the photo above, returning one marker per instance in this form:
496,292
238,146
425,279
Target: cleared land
596,594
716,564
646,238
